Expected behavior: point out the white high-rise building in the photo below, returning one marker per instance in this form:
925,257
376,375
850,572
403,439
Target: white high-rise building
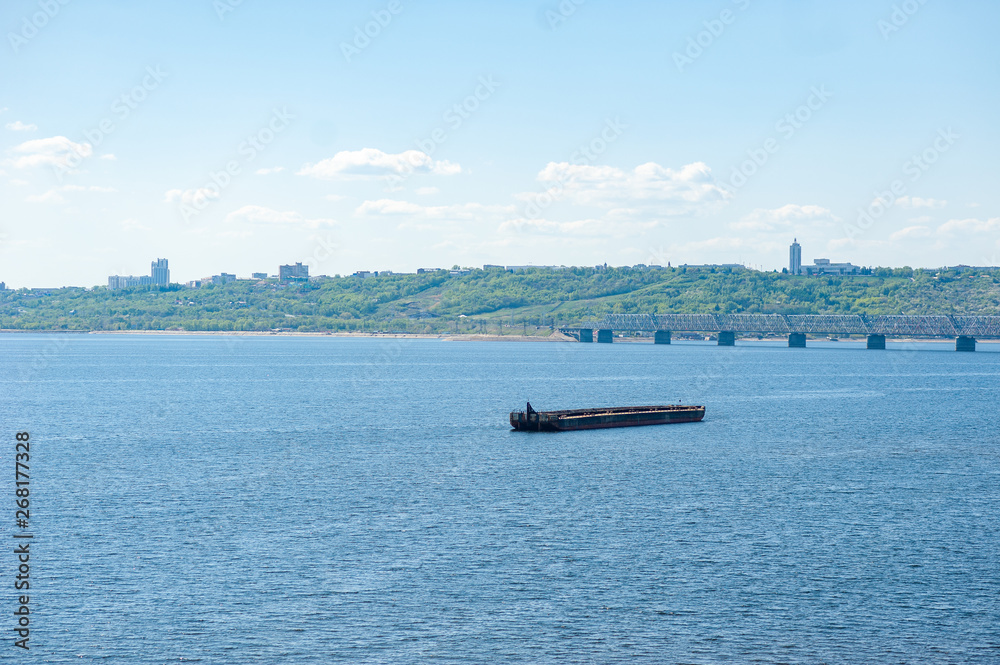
795,258
160,272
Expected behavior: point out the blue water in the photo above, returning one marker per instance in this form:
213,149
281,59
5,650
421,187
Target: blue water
317,500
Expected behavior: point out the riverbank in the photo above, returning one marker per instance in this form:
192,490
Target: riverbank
459,337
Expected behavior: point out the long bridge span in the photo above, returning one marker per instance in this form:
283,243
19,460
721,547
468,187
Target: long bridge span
964,329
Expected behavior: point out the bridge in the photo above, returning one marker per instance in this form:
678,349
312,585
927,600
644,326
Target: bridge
964,329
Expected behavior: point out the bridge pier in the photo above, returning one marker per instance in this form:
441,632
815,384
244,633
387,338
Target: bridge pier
661,337
587,335
965,343
797,340
876,342
727,338
605,337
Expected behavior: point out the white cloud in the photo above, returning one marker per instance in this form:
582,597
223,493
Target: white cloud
580,227
252,214
91,188
54,151
910,233
276,169
724,243
17,182
786,217
647,186
190,196
458,211
426,191
917,202
55,195
18,126
373,163
51,196
110,157
133,225
970,226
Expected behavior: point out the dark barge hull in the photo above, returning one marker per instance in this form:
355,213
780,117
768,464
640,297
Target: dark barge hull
625,416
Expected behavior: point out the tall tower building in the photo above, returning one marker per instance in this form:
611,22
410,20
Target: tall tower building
795,258
160,272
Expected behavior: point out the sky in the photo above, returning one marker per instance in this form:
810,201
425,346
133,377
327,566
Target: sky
237,135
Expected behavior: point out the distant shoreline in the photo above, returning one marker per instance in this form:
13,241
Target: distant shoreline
447,337
460,337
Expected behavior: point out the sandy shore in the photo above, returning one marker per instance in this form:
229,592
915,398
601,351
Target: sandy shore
462,337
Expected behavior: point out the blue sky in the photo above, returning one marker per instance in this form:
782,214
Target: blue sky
248,134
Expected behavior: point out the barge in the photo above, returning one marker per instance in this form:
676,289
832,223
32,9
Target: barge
530,420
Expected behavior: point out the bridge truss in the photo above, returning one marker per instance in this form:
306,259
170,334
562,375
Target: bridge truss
848,324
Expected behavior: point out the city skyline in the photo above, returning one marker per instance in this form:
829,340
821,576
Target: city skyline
160,273
398,136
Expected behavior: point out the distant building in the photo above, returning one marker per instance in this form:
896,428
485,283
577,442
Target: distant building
795,258
3,286
825,267
713,266
128,281
218,280
160,272
159,276
523,268
259,275
459,273
965,268
364,274
421,271
289,272
819,267
490,266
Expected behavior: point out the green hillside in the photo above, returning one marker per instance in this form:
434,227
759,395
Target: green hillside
483,300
